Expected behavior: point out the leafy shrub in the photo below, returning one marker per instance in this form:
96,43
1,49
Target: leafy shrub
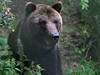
85,68
6,18
84,4
3,42
8,65
90,31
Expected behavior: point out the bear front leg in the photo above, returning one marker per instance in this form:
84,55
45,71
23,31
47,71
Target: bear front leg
12,42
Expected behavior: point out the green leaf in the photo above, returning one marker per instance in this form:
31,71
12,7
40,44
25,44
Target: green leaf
69,44
17,69
1,15
38,73
87,1
27,69
19,63
0,7
15,23
4,57
10,52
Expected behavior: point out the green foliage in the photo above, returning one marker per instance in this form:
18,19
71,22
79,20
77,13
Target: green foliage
5,14
8,65
5,21
86,33
67,4
3,42
72,3
85,68
89,14
69,44
8,68
85,30
84,4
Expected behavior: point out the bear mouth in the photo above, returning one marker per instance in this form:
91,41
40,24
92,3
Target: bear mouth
55,36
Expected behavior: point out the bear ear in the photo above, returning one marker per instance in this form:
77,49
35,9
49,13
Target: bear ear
57,6
29,7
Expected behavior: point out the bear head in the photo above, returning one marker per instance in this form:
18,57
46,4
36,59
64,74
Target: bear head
44,20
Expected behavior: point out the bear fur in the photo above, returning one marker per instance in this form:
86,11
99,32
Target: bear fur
39,32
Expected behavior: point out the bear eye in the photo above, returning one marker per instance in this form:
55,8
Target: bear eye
42,21
56,21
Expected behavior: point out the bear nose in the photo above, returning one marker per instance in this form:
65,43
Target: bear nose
55,35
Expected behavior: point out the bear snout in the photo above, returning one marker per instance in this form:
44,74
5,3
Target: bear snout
55,36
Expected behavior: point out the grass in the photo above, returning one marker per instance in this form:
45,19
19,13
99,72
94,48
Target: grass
85,68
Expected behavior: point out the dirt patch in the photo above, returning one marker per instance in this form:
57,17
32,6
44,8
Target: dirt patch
70,38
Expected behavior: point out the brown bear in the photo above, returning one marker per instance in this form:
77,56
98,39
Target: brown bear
39,33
